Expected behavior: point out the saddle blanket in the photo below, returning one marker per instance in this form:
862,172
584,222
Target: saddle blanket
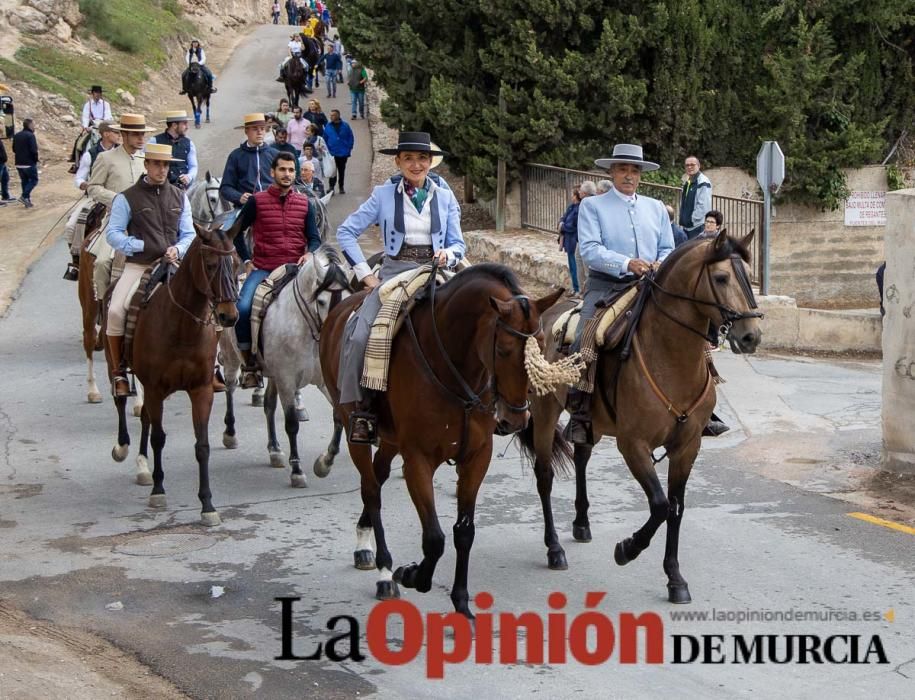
140,293
264,295
394,294
565,326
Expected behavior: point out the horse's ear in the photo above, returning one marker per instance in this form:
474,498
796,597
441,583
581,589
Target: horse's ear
721,239
546,302
503,308
748,239
208,176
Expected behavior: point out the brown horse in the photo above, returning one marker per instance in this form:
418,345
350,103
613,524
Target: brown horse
89,305
662,395
446,396
174,349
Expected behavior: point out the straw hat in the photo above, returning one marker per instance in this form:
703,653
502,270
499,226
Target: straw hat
160,151
175,115
132,122
253,119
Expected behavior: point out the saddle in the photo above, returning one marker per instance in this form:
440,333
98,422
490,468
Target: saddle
608,324
264,295
153,278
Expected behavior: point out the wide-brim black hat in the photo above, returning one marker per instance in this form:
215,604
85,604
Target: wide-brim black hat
416,141
95,88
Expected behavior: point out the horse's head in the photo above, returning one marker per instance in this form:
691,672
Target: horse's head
720,287
216,273
322,283
207,205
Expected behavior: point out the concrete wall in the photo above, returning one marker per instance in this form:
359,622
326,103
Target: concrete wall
899,334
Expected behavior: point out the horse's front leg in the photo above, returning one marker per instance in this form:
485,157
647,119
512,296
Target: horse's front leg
208,109
153,410
470,476
143,477
122,448
201,406
581,526
364,556
544,434
138,399
681,463
277,458
638,459
229,438
325,461
287,396
418,471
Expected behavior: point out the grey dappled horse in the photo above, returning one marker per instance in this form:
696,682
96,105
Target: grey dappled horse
289,357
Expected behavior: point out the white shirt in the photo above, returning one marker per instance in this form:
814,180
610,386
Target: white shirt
201,60
82,172
96,111
295,47
417,225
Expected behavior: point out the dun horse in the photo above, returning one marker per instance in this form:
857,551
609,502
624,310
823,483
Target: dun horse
448,392
289,357
661,396
174,349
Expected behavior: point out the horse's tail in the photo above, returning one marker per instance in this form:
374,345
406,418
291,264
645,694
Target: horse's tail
561,453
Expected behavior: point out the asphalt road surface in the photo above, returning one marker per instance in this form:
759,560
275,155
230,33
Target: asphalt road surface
80,548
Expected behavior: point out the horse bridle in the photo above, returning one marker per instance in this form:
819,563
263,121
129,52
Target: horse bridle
228,289
313,318
729,316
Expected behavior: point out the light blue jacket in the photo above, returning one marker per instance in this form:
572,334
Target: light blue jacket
611,232
385,208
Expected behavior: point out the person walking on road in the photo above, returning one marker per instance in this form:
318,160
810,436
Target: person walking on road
297,129
25,150
316,116
333,64
358,78
340,141
292,12
248,167
276,12
4,177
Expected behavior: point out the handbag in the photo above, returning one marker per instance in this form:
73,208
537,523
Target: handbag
329,165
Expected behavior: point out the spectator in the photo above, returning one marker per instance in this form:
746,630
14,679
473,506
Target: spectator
679,234
340,142
276,12
308,156
604,186
281,144
248,167
4,178
316,141
291,11
25,150
585,189
333,64
358,79
712,224
297,128
568,239
311,183
316,116
283,113
695,198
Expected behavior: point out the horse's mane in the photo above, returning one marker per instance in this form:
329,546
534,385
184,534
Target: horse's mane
731,246
494,272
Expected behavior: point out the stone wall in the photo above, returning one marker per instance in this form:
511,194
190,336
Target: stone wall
899,334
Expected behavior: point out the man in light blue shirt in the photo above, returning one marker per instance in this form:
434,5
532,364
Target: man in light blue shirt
621,234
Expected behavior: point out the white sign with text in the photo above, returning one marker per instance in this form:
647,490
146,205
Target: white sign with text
865,209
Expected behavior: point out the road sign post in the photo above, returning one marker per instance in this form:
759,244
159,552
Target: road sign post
770,173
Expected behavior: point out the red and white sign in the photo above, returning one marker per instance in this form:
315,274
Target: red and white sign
865,209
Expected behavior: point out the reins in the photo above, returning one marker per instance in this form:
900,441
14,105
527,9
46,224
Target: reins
228,291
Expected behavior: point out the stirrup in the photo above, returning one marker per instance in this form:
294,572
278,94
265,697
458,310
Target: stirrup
251,378
363,428
118,378
72,272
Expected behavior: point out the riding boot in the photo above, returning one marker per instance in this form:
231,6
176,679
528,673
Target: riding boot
121,386
715,427
363,423
72,272
578,431
250,373
183,86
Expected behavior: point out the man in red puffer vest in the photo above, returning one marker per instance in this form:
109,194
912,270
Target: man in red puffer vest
284,232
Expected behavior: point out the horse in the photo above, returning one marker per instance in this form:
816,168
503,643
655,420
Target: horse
312,50
198,92
430,413
296,79
206,203
289,357
663,395
174,349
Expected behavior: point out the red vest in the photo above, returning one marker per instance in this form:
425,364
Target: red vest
279,228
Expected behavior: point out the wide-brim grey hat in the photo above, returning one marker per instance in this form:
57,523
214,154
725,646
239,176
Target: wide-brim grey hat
627,153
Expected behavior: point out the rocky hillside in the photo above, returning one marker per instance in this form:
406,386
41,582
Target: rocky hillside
52,50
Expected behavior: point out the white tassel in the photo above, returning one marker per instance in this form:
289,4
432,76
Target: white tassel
546,377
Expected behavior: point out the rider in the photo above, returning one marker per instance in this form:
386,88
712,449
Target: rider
295,51
149,221
420,221
284,232
110,138
248,167
621,236
196,54
96,109
183,170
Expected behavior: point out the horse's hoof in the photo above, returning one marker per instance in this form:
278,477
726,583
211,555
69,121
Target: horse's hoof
298,481
210,519
257,399
321,467
386,590
277,460
137,410
143,477
364,559
157,500
230,442
119,452
557,560
94,397
581,533
678,593
619,553
301,415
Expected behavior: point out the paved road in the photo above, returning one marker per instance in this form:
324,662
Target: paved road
77,536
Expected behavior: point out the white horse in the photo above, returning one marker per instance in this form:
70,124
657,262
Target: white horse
290,332
206,202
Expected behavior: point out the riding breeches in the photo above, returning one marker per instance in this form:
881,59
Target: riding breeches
117,311
357,331
73,232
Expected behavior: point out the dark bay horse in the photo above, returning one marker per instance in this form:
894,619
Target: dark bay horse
198,92
457,374
661,396
295,78
174,349
89,305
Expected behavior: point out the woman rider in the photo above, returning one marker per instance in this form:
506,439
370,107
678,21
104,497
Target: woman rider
196,54
420,221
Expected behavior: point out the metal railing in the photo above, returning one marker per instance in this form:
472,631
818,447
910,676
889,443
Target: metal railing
547,190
